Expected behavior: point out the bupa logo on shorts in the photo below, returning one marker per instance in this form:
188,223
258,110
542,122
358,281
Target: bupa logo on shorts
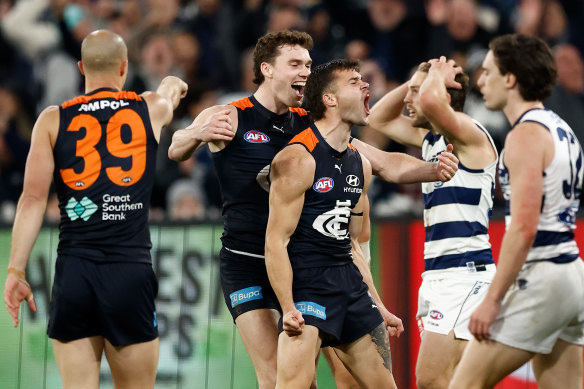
155,321
436,315
323,185
245,295
80,209
312,309
256,137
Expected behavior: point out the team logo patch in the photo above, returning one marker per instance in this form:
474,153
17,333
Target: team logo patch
352,180
80,209
323,185
245,295
256,137
312,309
436,315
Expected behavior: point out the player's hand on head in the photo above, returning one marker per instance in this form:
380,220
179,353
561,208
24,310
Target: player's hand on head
482,318
448,69
16,289
447,164
217,127
293,322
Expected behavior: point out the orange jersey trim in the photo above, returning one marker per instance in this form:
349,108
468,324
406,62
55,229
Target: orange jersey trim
128,95
307,138
242,103
352,147
299,111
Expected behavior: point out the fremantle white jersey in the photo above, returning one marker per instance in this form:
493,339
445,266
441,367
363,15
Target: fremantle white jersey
562,185
457,212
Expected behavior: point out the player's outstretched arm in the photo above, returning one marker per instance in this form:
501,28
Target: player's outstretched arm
30,210
162,103
405,169
291,174
215,125
172,89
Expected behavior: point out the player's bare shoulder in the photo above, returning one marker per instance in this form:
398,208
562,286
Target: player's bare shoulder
47,124
293,162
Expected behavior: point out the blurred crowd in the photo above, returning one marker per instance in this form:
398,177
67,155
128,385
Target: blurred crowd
209,44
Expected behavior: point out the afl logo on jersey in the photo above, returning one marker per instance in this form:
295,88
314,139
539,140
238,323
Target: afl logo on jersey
436,315
323,185
256,137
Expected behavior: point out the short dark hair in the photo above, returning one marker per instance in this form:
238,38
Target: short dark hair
269,45
457,96
531,61
319,82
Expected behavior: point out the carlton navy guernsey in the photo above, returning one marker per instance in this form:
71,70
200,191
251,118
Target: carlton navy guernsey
322,235
243,167
105,156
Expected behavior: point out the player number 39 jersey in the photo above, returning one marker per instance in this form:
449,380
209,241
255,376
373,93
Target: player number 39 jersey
104,162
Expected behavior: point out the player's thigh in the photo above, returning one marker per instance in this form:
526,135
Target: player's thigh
483,364
369,359
342,376
259,332
79,361
133,366
296,358
438,356
562,368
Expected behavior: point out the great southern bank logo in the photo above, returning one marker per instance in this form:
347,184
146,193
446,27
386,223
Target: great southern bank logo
312,309
323,185
245,295
80,209
256,137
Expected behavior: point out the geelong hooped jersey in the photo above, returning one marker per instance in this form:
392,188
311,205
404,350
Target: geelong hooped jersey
322,235
562,185
242,168
457,212
105,156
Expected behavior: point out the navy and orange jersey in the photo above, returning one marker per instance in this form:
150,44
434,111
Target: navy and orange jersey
243,166
322,235
105,155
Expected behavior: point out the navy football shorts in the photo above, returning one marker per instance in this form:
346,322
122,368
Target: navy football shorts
336,301
110,299
245,284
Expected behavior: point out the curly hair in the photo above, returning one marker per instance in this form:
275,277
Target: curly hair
269,45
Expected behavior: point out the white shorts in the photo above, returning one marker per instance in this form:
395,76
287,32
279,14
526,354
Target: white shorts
448,297
546,302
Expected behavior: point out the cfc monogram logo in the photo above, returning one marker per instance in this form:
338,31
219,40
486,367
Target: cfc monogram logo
334,223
